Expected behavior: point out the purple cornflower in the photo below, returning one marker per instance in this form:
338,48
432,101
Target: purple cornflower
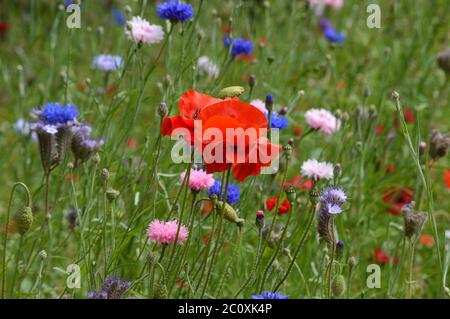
113,288
270,295
83,147
332,199
107,63
175,11
330,33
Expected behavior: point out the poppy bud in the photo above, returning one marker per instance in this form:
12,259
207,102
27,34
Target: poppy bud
443,60
283,110
338,286
229,213
439,144
43,254
259,219
162,109
252,81
287,150
395,96
112,194
352,261
291,194
337,170
105,174
23,220
231,91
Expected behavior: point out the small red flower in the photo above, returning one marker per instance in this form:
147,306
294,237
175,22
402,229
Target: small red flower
300,183
381,257
447,178
4,26
69,178
298,131
391,168
379,129
409,115
282,209
132,143
426,240
396,197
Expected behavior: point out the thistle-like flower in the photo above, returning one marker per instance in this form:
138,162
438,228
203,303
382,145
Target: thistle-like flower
331,202
83,147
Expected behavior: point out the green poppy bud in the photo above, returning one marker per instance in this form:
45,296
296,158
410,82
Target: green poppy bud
23,220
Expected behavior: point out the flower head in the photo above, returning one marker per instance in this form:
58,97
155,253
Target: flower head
241,46
260,105
198,180
83,147
317,170
55,113
165,233
332,199
322,120
206,66
141,31
270,295
330,33
113,288
233,194
118,17
278,121
175,11
396,197
107,63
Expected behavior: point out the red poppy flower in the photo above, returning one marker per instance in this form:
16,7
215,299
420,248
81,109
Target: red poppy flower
379,129
426,240
447,178
391,168
298,131
396,197
282,209
245,150
4,26
190,106
381,257
409,115
300,183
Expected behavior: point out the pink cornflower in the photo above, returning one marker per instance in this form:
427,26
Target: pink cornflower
198,180
166,232
322,120
317,170
141,31
331,3
260,105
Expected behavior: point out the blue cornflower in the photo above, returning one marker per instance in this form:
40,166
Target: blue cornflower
226,41
107,63
278,121
55,113
330,33
332,199
118,17
233,194
175,11
270,295
241,46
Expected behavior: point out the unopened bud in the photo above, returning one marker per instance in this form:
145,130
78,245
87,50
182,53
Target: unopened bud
269,102
339,286
291,194
112,194
259,219
23,220
105,174
252,81
162,109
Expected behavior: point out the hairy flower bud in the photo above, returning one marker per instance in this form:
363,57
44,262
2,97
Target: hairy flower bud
338,286
414,221
231,91
162,109
439,144
23,220
259,219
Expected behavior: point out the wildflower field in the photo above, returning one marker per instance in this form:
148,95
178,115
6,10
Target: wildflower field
224,149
